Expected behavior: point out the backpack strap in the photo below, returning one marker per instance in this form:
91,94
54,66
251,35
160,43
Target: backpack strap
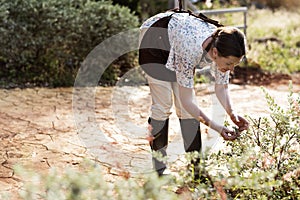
200,15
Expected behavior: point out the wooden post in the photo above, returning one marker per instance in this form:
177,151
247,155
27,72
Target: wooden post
171,4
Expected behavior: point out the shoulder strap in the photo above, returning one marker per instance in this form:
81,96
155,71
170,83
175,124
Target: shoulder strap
200,15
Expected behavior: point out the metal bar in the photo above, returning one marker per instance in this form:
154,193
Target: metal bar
228,10
219,11
176,4
185,4
222,11
182,3
245,23
240,26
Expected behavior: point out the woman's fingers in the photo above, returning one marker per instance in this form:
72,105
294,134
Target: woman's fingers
242,123
229,135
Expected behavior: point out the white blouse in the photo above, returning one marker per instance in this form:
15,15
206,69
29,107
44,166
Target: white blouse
186,35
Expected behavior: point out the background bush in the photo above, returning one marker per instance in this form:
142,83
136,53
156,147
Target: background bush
44,41
275,4
274,38
264,162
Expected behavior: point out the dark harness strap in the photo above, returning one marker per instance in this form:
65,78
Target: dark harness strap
154,51
155,46
200,15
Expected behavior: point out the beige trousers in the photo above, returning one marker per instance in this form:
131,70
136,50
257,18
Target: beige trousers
163,94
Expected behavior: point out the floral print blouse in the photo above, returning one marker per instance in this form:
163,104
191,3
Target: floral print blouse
186,35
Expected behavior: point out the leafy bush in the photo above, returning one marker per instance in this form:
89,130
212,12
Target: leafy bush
274,58
264,162
273,37
273,4
261,164
279,54
150,8
44,41
90,184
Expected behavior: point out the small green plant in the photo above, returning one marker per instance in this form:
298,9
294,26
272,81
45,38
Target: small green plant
277,50
263,163
89,183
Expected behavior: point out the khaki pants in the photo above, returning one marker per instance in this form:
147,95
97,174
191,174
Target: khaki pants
163,93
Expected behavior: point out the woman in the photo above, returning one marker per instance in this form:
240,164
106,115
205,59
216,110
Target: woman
172,44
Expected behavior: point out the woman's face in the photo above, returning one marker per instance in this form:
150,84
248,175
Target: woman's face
225,63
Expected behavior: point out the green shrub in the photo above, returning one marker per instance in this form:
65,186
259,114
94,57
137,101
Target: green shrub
280,53
271,149
90,184
261,164
44,41
274,4
275,58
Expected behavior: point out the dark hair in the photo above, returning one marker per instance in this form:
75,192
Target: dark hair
229,41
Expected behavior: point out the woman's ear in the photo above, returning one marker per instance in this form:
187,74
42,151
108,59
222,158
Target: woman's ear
215,52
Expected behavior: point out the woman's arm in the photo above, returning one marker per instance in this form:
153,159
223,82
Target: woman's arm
186,98
223,96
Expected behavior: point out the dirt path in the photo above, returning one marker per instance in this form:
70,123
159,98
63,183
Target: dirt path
38,128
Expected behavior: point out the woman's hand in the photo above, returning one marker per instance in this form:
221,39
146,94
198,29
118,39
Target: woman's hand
241,122
228,134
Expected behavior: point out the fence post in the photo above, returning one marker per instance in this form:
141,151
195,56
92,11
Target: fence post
245,23
176,4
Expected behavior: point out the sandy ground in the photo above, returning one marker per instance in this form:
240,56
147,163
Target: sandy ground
57,128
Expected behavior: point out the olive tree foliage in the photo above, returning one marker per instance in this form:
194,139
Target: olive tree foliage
44,41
